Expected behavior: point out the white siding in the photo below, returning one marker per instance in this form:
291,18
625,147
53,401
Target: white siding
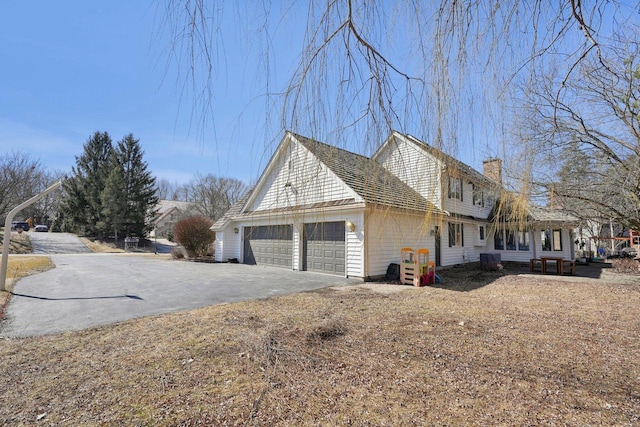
218,246
567,251
535,247
424,173
298,178
413,165
388,232
470,252
228,244
511,255
465,206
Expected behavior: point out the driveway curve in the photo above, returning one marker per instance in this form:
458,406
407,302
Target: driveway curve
86,290
57,243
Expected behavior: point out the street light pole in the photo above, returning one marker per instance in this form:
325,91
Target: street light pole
7,230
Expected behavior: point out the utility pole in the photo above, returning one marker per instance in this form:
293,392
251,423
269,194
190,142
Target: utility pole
7,230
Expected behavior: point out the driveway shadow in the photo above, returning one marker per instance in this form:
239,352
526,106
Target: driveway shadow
76,298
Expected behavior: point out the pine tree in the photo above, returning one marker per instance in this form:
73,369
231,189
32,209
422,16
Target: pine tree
114,198
129,196
82,202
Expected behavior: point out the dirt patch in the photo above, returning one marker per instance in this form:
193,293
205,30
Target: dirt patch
480,349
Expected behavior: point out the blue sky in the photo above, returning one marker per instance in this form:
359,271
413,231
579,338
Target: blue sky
71,68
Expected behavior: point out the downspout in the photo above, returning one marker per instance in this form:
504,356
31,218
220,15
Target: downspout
365,249
7,230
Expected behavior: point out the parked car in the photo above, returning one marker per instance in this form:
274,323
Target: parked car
24,225
628,252
41,227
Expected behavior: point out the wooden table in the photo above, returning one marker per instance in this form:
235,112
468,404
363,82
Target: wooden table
557,260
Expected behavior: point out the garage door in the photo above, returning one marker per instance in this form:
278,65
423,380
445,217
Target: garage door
324,248
269,245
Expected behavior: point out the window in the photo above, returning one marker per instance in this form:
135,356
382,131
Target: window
481,233
523,240
557,240
510,240
455,188
498,240
456,235
478,196
551,240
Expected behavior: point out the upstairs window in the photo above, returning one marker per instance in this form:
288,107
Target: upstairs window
455,188
478,196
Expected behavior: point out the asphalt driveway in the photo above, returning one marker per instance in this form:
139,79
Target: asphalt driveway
57,243
87,290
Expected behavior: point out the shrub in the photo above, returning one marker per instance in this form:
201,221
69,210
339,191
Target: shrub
176,253
195,235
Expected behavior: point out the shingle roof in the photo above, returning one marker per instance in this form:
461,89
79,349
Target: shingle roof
234,210
543,214
367,177
451,162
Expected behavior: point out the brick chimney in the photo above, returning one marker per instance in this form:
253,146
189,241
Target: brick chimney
492,169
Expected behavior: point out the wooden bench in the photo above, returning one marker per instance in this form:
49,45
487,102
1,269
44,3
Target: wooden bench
535,264
568,267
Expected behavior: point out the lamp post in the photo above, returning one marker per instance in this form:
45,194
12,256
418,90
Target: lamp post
7,230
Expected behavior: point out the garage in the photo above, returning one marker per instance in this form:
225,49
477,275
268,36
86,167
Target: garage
269,245
324,247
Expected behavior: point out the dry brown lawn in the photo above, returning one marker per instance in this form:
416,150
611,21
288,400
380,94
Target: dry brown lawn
19,243
101,246
482,349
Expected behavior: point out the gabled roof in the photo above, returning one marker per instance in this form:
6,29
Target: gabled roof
368,178
166,207
452,164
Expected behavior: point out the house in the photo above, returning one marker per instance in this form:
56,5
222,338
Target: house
321,208
168,213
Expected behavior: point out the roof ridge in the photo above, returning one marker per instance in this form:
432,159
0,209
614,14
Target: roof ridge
300,137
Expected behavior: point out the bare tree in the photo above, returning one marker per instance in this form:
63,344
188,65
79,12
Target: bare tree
20,179
167,190
213,196
365,67
583,140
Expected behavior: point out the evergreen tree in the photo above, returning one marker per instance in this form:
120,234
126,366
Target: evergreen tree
82,202
114,198
129,195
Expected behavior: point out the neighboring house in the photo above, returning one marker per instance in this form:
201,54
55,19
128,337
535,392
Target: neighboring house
320,208
168,213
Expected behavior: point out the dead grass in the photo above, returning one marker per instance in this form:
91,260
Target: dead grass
19,244
486,349
101,246
19,267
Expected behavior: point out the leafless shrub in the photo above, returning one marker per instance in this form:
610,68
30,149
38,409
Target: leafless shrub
177,253
626,266
194,233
